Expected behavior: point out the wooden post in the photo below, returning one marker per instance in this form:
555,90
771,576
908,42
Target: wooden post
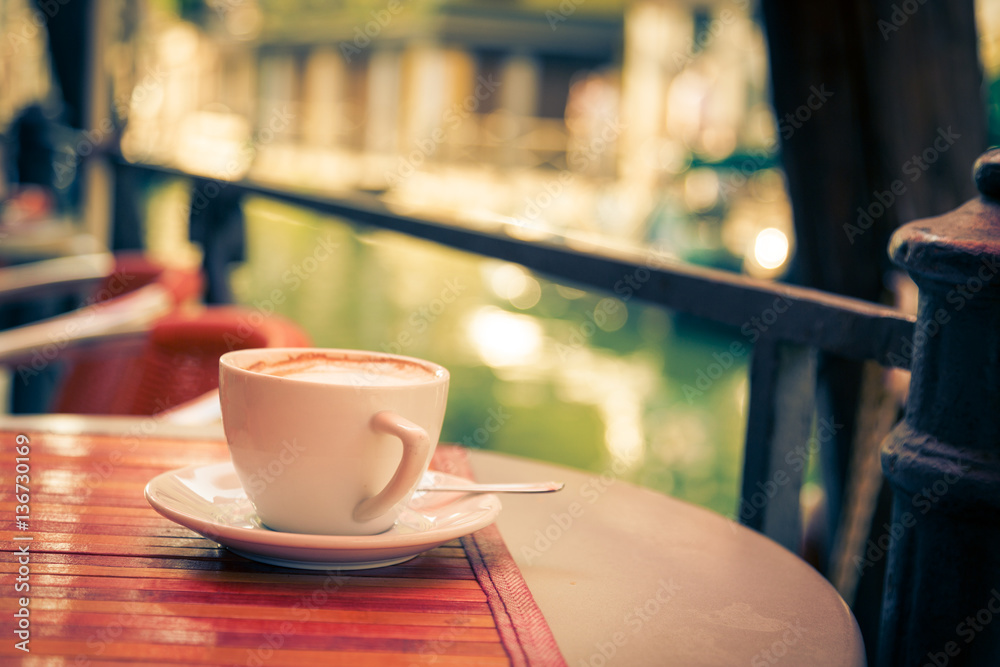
942,595
778,444
862,90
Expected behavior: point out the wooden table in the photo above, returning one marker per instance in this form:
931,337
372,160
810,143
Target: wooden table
622,575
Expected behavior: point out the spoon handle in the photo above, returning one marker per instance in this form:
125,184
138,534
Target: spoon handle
535,487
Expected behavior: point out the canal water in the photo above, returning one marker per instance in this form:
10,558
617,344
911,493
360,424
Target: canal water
540,369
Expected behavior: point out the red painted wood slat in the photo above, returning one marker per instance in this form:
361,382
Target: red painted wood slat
112,581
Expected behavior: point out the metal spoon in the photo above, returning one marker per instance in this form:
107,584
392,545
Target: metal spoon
472,487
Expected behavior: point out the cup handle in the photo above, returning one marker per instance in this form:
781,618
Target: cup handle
416,447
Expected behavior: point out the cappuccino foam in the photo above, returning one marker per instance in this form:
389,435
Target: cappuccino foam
352,372
358,377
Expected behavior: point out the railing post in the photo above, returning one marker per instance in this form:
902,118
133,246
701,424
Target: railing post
782,392
942,591
216,223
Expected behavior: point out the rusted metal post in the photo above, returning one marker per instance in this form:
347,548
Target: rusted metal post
942,592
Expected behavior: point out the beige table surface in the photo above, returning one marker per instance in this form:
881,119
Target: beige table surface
628,576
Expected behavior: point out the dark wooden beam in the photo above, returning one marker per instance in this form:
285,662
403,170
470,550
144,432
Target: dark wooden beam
881,115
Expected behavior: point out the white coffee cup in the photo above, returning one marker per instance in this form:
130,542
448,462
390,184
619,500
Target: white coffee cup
327,441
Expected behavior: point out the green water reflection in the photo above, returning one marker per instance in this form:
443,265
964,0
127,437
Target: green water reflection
538,369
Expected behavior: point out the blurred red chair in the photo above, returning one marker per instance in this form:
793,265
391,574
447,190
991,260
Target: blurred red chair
174,370
73,275
135,292
127,293
135,270
103,275
137,347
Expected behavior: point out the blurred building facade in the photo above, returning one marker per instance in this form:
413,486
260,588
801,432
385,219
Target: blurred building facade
644,124
639,124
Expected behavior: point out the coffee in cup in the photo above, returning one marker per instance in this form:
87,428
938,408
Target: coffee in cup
328,441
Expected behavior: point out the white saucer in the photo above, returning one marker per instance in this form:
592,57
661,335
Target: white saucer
210,501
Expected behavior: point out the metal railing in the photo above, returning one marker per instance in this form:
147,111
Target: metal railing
786,325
